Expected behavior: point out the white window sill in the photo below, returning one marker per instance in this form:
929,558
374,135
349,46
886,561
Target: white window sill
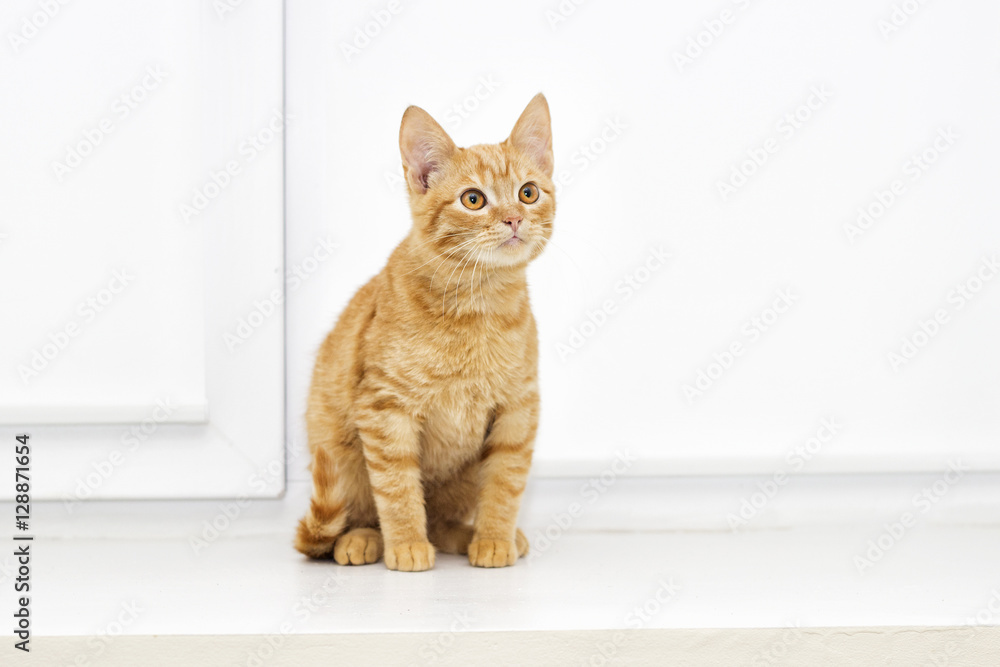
248,585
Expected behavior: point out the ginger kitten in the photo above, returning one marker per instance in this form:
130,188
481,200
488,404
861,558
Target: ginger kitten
424,399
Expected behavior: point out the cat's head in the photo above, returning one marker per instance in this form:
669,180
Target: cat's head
493,203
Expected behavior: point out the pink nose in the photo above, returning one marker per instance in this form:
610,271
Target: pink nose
514,223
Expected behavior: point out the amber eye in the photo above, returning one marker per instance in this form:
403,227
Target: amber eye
528,193
473,199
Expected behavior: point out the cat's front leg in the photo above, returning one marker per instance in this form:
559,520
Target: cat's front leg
496,542
391,440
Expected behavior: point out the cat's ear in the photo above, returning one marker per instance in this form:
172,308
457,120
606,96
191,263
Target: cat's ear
425,148
532,134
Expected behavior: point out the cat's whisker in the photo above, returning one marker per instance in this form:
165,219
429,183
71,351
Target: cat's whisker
448,284
479,256
458,286
486,275
452,252
434,275
472,281
440,237
445,252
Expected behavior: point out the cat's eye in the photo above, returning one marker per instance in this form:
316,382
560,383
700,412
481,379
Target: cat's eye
473,199
528,193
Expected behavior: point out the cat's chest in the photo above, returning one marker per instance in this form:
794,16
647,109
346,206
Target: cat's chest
475,372
454,427
486,356
465,371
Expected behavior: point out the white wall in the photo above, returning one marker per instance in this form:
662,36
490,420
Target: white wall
663,134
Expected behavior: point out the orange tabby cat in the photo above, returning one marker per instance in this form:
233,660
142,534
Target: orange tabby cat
424,400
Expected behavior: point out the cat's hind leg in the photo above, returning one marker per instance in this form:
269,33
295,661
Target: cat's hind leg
454,538
450,537
358,546
341,521
450,505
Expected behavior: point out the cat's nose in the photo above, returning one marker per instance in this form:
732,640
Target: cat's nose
514,222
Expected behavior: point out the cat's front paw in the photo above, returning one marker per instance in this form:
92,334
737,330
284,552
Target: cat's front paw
409,556
492,553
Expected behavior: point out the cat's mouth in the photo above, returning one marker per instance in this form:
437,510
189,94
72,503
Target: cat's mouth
514,240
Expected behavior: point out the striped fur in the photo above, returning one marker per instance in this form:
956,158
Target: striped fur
424,400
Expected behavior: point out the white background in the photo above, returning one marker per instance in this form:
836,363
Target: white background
683,130
662,135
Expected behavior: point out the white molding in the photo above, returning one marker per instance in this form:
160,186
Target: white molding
101,414
629,504
756,466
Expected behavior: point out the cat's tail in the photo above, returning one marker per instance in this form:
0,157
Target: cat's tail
319,529
327,517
